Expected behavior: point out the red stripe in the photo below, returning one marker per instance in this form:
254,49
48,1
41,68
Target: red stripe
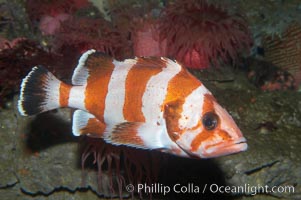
94,127
100,70
181,85
135,85
64,94
179,88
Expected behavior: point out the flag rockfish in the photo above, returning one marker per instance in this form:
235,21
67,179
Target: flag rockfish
147,103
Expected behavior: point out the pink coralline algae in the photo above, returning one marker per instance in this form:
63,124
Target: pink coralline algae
16,58
49,24
50,14
38,8
86,33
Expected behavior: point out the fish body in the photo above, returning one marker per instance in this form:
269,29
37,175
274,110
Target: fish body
147,103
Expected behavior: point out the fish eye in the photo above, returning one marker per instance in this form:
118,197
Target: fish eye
210,121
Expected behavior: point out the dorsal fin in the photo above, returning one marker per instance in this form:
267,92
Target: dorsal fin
89,61
81,73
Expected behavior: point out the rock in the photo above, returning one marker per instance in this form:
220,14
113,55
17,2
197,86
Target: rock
272,158
8,148
41,157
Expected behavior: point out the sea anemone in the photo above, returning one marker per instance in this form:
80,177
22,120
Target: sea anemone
198,33
124,165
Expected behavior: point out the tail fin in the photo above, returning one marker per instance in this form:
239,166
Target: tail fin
40,92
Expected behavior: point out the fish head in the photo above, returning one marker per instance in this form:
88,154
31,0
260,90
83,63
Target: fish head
214,134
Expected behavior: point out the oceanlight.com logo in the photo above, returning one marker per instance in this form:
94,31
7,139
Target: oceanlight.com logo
191,188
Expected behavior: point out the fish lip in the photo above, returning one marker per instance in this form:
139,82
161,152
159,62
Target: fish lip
230,143
240,140
226,148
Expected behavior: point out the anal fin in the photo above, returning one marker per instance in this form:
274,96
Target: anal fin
85,123
135,134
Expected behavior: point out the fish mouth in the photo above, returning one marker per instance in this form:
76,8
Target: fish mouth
225,148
